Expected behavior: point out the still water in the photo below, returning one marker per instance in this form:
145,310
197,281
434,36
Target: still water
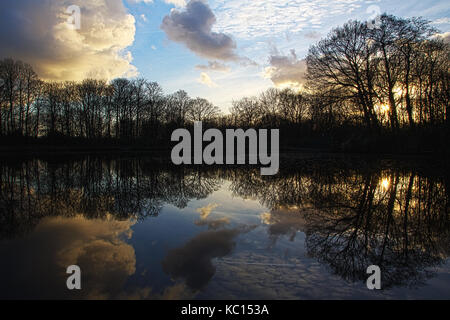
140,229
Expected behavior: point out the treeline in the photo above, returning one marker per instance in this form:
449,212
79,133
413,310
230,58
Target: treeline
92,109
365,85
386,85
394,75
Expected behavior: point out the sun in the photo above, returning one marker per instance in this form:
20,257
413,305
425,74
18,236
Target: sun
385,183
384,108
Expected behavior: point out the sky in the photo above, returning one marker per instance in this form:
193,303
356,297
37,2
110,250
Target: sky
221,50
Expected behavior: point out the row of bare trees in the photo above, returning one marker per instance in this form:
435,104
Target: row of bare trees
397,68
392,76
92,109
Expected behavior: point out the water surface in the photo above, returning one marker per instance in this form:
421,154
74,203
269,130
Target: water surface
140,229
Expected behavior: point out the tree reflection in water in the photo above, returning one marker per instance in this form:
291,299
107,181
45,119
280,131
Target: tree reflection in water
356,219
353,216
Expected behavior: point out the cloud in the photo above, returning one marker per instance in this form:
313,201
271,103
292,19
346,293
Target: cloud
38,33
177,3
445,20
212,224
286,71
193,261
143,17
139,1
206,80
444,36
284,221
192,27
214,66
97,246
178,291
206,211
313,35
269,18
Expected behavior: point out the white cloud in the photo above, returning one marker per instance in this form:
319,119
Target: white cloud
177,3
315,35
139,1
206,80
206,211
40,35
444,36
442,21
268,18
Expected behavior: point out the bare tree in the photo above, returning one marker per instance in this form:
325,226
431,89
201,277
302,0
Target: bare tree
202,110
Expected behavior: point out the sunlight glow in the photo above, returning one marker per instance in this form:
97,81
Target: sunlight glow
398,91
385,183
382,108
295,86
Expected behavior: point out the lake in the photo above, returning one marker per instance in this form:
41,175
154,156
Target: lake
140,228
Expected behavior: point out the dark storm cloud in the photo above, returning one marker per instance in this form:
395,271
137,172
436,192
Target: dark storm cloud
193,28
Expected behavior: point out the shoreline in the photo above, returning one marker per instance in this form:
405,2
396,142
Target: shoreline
37,150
